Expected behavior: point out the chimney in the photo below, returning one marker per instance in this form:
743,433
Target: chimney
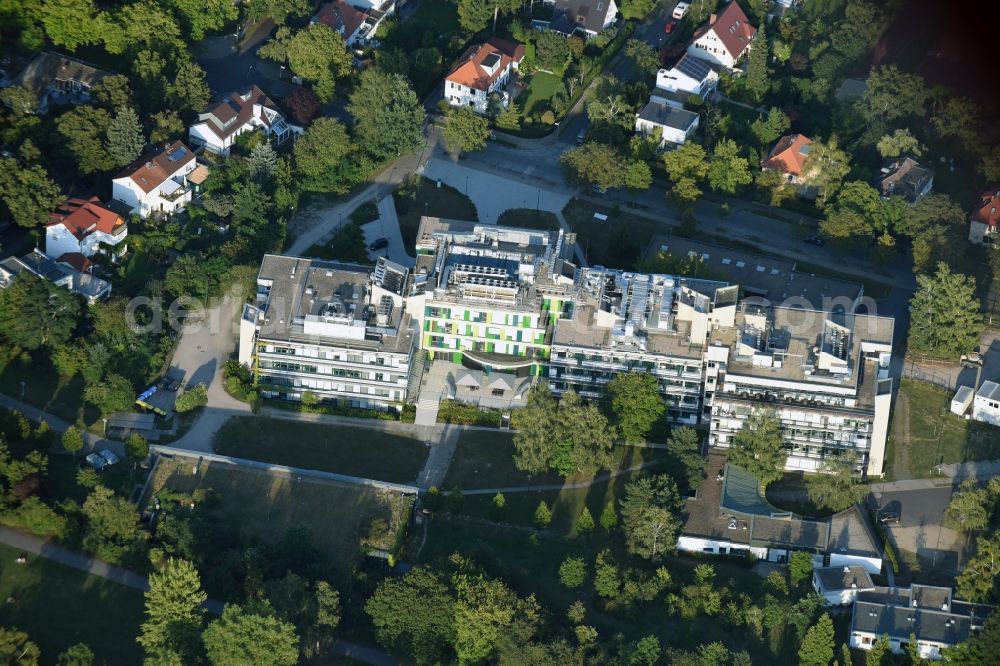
711,19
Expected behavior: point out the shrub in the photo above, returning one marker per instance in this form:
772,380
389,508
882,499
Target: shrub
548,118
455,500
451,411
36,517
433,499
191,399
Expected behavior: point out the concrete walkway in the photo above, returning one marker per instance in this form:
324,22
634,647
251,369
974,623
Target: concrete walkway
95,567
387,226
91,441
439,458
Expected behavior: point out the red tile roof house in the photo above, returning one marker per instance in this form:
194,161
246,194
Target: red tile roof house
158,181
484,69
986,218
240,111
81,228
725,38
788,157
346,20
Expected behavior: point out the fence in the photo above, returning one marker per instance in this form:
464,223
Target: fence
170,452
929,376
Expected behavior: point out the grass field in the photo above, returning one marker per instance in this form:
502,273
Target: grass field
485,460
265,505
365,452
619,242
429,199
44,389
58,607
535,98
925,433
529,219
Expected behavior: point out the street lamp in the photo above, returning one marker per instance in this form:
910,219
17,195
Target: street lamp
24,383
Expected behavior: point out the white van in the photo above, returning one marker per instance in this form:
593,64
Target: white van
681,10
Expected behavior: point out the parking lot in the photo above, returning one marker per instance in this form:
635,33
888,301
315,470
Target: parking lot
920,534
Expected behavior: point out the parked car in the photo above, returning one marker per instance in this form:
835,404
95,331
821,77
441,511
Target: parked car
815,240
110,456
379,244
887,517
580,137
598,190
972,360
96,460
681,10
670,27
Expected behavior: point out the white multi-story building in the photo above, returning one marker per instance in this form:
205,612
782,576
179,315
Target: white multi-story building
638,322
84,227
826,376
482,71
339,331
487,293
924,612
161,181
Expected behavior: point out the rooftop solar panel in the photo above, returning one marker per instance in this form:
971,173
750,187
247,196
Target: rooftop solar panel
694,67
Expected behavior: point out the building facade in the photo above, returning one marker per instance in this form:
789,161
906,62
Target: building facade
329,329
484,70
158,181
84,226
237,112
825,376
725,39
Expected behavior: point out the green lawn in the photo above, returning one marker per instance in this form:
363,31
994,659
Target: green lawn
348,244
60,480
426,198
528,218
925,433
617,243
266,505
366,452
534,100
58,607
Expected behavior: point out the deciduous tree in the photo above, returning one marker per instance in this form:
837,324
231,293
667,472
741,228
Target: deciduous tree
320,55
800,567
34,313
837,485
977,580
201,17
242,637
17,649
825,168
415,614
487,610
27,192
970,508
892,95
758,447
649,516
643,55
900,142
112,524
302,105
638,175
636,403
727,170
685,445
187,90
945,319
465,131
388,117
73,23
76,655
72,440
321,147
595,164
114,393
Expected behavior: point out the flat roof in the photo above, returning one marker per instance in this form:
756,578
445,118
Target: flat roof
668,116
758,274
851,534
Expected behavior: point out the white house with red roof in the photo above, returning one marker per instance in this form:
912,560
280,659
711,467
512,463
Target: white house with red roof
483,70
238,112
346,20
725,38
788,157
81,228
161,181
986,218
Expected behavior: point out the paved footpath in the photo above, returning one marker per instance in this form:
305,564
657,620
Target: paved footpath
95,567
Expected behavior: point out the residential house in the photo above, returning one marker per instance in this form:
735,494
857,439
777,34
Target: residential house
674,125
690,76
350,22
986,405
482,71
58,79
725,39
929,614
331,329
158,181
788,157
61,273
238,112
840,586
85,227
903,176
986,218
824,374
729,515
584,17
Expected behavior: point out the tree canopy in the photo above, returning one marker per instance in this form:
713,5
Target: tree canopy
595,164
758,447
388,117
837,485
35,313
649,516
465,130
945,319
636,403
242,637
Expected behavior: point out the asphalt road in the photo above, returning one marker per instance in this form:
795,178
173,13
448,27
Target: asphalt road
916,508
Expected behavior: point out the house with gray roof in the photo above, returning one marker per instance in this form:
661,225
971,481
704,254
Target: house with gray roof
840,585
580,17
58,79
60,273
674,125
928,613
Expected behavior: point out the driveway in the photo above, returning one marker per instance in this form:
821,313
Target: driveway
226,69
387,226
920,530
